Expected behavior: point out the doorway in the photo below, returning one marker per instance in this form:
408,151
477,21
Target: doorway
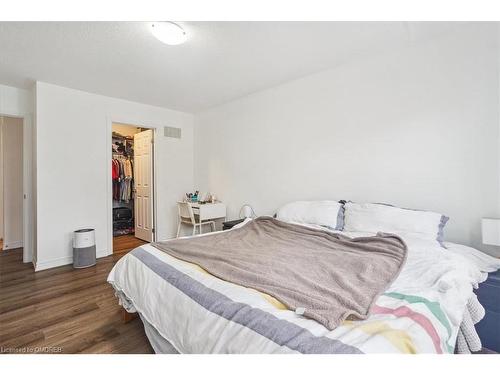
11,183
132,176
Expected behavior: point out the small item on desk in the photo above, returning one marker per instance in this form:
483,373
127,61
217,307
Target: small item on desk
207,198
200,198
192,197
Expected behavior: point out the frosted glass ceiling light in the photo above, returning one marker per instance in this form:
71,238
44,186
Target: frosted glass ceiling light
168,33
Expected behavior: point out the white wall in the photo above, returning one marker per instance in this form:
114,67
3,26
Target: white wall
12,158
73,143
418,128
14,101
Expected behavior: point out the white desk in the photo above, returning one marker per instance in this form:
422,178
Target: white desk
209,211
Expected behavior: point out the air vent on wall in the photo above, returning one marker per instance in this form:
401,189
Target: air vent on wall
172,132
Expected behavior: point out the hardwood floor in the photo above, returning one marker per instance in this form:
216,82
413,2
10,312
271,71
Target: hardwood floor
63,309
125,243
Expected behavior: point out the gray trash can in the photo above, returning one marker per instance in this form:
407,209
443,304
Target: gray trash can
83,248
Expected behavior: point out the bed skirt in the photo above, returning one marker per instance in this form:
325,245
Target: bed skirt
159,344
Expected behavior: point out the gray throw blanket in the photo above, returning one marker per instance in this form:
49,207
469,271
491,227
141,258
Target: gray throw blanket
324,276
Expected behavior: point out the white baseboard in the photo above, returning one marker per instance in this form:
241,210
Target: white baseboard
57,262
63,261
12,245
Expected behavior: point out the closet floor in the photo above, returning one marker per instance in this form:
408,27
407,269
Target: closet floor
126,243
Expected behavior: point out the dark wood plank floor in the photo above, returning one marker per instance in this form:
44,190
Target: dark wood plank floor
66,310
125,243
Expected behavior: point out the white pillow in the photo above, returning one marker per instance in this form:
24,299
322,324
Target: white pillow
373,218
325,213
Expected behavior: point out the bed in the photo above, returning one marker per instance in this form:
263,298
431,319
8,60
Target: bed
185,309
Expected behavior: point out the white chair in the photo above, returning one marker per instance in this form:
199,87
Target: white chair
188,217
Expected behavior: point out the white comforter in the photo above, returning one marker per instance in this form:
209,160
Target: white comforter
195,312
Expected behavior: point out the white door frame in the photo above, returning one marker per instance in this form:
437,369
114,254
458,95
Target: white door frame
28,201
109,156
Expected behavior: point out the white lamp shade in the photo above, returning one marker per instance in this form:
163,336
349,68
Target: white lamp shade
247,211
491,231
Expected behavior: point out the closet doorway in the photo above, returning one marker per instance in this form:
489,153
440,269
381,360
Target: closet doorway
132,175
11,183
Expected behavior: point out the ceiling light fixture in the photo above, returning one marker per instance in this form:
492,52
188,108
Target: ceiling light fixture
168,32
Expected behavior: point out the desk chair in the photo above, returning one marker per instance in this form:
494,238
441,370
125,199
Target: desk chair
187,217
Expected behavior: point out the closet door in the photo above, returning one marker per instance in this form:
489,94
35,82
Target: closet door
143,181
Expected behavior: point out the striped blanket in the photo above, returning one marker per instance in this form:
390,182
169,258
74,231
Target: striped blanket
198,313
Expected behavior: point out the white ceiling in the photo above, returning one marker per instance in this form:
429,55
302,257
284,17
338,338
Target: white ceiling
221,61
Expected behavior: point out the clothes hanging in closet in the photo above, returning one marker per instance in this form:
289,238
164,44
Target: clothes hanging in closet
122,175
